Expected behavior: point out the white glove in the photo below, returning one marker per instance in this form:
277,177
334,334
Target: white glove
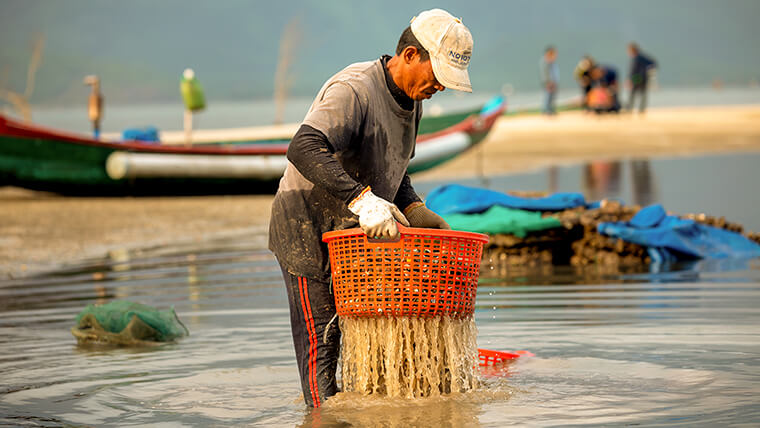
377,217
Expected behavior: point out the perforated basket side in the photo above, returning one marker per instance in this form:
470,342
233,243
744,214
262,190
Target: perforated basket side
423,274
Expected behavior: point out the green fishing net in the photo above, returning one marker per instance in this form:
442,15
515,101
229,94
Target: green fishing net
127,323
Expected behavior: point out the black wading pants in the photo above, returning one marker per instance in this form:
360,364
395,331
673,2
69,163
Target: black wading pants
642,91
312,307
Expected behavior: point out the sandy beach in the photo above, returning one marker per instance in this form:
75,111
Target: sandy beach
40,231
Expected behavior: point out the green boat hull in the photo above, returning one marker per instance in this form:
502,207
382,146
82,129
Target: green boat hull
48,165
41,159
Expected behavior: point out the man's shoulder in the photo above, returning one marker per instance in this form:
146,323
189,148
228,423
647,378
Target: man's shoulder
359,75
358,69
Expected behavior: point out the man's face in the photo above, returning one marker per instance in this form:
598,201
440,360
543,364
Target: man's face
423,81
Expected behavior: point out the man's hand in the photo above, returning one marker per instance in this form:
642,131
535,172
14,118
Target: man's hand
377,217
421,216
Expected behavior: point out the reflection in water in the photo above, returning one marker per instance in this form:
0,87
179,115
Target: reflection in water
605,179
553,174
354,410
601,178
643,183
611,348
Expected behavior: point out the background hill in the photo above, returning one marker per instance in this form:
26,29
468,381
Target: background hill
140,47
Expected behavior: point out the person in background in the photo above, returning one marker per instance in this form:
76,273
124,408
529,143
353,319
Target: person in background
582,74
603,97
347,164
641,66
94,104
549,71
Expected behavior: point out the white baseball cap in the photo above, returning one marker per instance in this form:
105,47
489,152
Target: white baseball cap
449,44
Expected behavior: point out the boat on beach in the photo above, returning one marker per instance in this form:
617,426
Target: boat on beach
227,161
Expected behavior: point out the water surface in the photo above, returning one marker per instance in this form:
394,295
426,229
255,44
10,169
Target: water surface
677,347
718,185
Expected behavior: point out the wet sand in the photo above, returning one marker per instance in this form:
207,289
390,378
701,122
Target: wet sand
40,231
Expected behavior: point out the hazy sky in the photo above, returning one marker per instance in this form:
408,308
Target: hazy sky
140,47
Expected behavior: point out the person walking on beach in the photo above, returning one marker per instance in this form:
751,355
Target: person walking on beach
549,72
347,163
638,77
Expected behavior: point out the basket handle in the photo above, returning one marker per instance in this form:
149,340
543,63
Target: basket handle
401,231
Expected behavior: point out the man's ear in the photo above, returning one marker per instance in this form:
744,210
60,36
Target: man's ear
409,53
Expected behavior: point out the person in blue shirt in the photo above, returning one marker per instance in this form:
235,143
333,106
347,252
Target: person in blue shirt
641,66
549,72
603,97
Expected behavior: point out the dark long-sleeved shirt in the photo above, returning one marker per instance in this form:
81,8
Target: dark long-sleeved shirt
359,132
640,66
313,155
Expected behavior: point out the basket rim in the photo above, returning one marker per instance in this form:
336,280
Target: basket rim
335,234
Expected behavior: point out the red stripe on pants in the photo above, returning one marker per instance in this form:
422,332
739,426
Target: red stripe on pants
312,355
306,307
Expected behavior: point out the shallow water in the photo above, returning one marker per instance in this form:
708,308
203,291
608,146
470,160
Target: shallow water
718,185
676,347
679,347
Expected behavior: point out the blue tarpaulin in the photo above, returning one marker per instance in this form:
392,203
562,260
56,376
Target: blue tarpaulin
455,198
670,238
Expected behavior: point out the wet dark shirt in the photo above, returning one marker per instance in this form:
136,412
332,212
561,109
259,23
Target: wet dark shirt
608,78
640,66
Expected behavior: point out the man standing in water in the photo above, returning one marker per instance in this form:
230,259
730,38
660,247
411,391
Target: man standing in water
348,162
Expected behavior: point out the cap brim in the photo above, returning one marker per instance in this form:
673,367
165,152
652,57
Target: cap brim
451,77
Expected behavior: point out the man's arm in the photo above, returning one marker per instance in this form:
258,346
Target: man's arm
651,63
543,71
414,209
329,128
314,157
406,195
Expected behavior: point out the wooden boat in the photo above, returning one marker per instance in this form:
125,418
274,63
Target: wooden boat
237,161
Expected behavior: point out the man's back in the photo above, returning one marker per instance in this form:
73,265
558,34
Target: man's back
640,65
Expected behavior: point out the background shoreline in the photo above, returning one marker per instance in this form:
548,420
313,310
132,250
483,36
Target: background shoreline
42,232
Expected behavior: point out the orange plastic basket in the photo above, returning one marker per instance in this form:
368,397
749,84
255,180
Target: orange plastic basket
425,273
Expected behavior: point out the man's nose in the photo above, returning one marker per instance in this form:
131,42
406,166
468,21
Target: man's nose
439,87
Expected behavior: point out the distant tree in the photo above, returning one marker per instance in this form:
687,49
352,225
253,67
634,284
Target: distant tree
291,35
20,101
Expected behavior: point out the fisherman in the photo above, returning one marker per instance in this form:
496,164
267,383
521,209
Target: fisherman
94,104
347,163
638,76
